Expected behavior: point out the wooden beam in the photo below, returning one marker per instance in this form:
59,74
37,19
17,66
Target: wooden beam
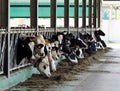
76,14
66,13
53,13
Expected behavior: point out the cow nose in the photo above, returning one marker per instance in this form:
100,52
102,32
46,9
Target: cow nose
49,75
42,54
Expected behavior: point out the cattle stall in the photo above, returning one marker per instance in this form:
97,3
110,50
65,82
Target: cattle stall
15,71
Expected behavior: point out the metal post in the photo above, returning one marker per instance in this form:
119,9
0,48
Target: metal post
1,13
99,13
34,14
94,15
66,14
4,23
76,13
84,13
90,13
53,15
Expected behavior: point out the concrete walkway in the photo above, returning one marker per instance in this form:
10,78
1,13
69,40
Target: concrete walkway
99,77
104,76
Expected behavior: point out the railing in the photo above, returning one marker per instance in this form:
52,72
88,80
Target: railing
15,34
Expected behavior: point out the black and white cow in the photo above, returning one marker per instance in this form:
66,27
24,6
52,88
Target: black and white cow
78,45
25,49
90,41
100,42
28,48
42,64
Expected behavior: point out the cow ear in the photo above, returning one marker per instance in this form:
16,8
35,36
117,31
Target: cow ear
47,41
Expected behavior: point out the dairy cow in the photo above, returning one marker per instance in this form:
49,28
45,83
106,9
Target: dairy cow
25,49
100,42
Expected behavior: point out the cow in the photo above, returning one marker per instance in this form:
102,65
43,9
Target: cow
42,64
67,50
48,50
39,45
25,49
100,42
91,44
89,40
57,37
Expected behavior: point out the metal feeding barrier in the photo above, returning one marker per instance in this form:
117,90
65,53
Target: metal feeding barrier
14,35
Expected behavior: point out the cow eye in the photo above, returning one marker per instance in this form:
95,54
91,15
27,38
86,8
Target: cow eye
49,47
44,67
39,47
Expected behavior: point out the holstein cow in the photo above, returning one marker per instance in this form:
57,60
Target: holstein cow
91,44
40,44
48,49
43,66
25,49
99,41
56,41
78,45
68,52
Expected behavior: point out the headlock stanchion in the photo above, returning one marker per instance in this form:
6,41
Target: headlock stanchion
21,72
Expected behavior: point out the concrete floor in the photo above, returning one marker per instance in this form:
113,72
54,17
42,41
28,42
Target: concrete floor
99,77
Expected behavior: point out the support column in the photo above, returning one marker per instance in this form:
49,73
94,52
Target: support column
90,14
53,14
83,13
76,13
94,14
66,13
99,13
4,13
4,23
34,14
1,13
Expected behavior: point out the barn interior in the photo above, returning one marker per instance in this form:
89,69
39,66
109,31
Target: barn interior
48,17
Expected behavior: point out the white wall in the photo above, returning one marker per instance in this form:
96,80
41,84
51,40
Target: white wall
112,30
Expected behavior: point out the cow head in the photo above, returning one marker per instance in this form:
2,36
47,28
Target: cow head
101,33
39,49
43,66
49,51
